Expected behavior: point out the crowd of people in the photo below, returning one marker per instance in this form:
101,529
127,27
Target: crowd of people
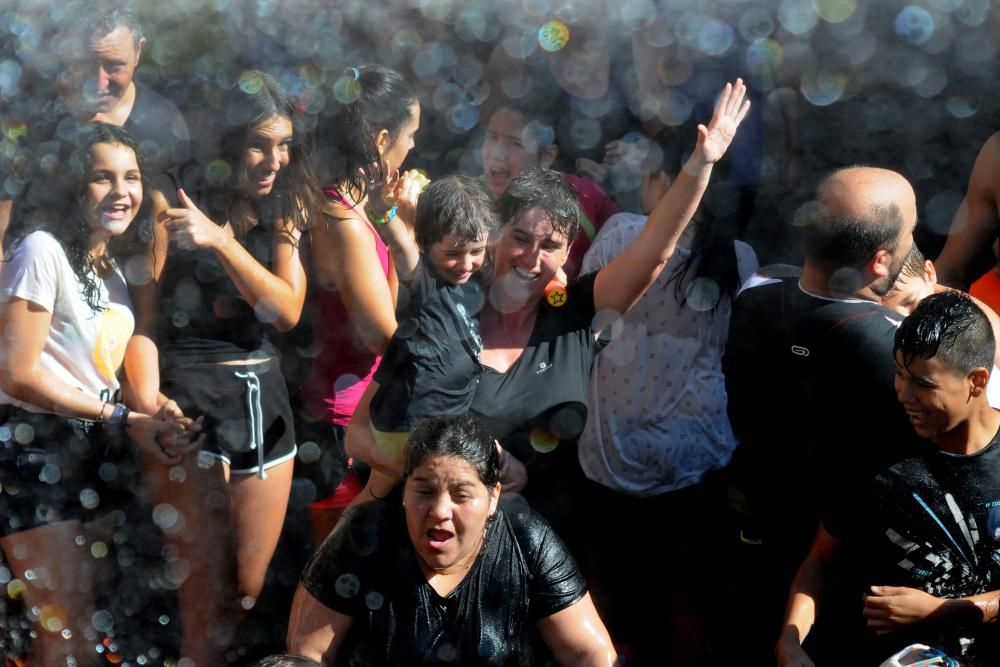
535,428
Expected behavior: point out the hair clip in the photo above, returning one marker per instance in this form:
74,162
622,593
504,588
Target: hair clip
357,73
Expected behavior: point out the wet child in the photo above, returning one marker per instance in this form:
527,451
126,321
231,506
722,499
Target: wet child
431,366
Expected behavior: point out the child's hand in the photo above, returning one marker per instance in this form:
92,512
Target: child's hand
407,192
730,110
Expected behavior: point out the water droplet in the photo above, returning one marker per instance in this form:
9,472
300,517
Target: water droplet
102,620
543,440
177,474
251,82
715,37
960,106
553,35
15,589
52,618
915,24
347,585
824,87
165,517
138,270
374,601
24,434
248,602
835,11
309,452
797,16
89,498
756,23
98,549
164,619
347,89
50,473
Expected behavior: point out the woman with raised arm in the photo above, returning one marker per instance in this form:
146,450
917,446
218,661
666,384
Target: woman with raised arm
66,318
228,271
539,343
360,149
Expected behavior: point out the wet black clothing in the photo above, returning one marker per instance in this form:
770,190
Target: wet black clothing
431,366
368,570
538,408
203,316
930,521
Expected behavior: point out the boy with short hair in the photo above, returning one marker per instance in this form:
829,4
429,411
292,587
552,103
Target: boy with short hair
929,541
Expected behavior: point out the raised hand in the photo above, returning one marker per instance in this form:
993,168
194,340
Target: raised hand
730,110
190,228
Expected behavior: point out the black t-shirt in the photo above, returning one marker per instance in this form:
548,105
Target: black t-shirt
538,408
367,569
931,521
811,399
203,316
155,123
431,366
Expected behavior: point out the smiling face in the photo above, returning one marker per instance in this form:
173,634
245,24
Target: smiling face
455,260
936,398
267,152
113,193
529,253
447,507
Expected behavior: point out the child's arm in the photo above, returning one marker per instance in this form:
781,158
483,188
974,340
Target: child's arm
397,230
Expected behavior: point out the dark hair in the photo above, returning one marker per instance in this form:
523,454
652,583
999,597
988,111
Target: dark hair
537,117
458,436
546,190
713,250
915,265
103,16
950,327
456,205
55,208
285,660
376,98
256,98
848,241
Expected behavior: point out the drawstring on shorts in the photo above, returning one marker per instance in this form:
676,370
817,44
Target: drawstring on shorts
255,419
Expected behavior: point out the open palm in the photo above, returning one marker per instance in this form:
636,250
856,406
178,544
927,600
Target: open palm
730,110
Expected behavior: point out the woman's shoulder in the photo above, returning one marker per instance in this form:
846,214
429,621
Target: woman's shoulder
38,244
527,527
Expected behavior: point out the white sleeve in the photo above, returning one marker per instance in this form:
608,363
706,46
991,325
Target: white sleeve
746,261
617,232
32,271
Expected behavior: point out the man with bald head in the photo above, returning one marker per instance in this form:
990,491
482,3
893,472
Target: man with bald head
809,375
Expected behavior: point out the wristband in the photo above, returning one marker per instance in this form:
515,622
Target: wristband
389,216
118,419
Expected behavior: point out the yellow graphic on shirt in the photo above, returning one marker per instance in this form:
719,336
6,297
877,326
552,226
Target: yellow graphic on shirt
112,338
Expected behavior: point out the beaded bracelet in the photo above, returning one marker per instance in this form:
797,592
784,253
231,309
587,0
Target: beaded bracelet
387,218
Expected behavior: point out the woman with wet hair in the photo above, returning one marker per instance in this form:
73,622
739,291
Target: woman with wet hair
447,572
66,319
227,274
361,147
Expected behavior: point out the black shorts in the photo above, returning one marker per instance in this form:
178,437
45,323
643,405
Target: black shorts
248,418
56,469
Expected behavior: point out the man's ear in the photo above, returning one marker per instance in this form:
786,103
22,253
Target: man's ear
548,156
138,50
979,377
880,263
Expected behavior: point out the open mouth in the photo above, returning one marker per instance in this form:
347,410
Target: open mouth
525,276
116,212
438,539
267,181
917,417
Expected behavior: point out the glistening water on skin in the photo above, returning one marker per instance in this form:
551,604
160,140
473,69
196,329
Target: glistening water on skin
457,261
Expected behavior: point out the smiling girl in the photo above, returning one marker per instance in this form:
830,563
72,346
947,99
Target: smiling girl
66,319
229,274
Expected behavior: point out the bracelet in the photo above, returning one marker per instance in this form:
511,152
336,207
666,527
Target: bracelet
118,419
100,414
389,216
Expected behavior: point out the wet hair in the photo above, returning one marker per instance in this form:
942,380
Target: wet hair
456,205
950,327
546,190
286,660
103,16
537,118
256,98
56,208
713,250
849,241
345,139
461,437
915,265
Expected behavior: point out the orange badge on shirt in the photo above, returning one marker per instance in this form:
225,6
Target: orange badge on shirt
555,293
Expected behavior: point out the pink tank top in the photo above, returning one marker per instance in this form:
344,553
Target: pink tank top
344,366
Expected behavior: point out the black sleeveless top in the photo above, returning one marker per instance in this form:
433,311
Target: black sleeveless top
203,317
